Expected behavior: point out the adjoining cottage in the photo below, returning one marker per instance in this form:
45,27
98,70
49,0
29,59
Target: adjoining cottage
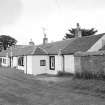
50,57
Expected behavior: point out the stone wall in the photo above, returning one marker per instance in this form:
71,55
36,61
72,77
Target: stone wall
92,63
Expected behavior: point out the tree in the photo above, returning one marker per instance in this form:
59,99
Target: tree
7,41
84,32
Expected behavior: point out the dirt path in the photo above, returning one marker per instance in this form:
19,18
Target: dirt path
53,79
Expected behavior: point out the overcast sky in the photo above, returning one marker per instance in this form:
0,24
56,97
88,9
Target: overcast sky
24,19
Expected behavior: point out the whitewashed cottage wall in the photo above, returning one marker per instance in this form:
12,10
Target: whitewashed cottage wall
29,68
69,63
15,61
36,68
98,45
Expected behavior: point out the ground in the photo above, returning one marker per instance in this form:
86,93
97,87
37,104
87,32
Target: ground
16,88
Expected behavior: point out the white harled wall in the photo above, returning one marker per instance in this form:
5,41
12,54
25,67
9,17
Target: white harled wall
32,64
27,64
15,62
69,63
37,69
98,45
28,67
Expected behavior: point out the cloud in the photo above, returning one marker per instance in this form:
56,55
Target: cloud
10,10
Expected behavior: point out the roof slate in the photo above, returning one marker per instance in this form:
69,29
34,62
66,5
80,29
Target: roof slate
27,50
68,46
72,45
53,48
81,44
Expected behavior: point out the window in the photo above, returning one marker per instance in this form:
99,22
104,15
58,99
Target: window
42,62
4,60
52,62
21,61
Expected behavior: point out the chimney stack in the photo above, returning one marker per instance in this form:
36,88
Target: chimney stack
78,32
45,39
31,43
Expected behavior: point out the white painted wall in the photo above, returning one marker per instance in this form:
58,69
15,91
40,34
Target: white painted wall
69,63
28,67
15,61
21,68
32,64
98,45
58,63
37,69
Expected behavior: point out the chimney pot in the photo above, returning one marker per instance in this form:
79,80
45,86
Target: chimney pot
31,43
45,39
78,31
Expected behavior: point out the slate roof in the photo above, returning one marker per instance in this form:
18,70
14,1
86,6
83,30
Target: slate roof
54,47
72,45
68,46
27,50
81,44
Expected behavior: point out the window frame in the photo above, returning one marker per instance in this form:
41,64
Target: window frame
43,62
21,62
4,60
52,58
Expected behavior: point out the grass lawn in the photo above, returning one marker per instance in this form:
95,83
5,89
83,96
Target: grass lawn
16,88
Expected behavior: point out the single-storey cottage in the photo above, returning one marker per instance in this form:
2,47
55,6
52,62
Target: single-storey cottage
50,57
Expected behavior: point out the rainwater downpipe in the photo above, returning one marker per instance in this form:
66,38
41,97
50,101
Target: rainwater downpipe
63,59
26,64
